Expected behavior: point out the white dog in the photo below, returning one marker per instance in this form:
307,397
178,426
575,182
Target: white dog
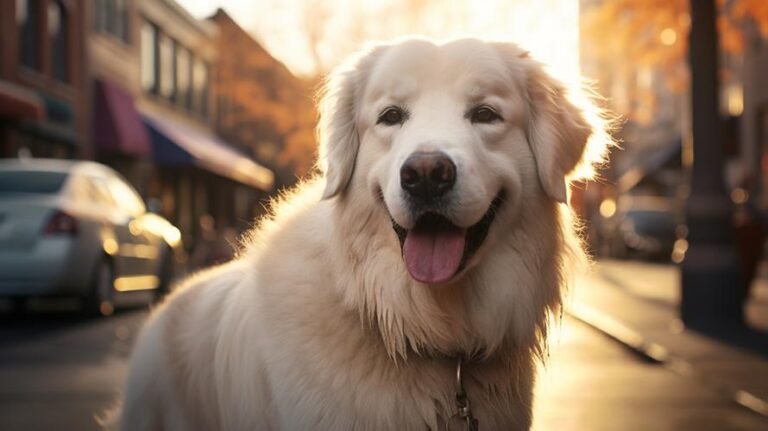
433,245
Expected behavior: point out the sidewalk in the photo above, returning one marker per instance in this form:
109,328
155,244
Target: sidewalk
592,383
636,304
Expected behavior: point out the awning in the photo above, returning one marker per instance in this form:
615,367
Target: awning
117,127
174,144
18,103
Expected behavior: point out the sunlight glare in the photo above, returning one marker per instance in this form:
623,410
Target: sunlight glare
668,36
548,28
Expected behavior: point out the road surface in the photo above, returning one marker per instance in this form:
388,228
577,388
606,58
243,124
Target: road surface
59,371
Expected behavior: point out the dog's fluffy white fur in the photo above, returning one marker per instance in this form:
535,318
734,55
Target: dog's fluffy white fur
318,324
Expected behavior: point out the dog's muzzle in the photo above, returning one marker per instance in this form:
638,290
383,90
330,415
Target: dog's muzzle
435,250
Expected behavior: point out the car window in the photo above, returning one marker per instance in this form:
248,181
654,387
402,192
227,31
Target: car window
126,197
98,190
38,182
80,189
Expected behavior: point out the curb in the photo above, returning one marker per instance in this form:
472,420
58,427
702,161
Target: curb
657,354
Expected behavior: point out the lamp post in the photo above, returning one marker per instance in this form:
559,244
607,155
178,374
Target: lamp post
710,275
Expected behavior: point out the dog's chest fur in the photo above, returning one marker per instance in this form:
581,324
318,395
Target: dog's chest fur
339,377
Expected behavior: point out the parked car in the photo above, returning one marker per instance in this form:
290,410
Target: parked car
78,229
644,227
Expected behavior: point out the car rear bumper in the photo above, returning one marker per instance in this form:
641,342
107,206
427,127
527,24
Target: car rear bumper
50,268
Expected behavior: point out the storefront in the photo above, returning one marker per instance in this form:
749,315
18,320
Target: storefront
33,124
196,175
119,135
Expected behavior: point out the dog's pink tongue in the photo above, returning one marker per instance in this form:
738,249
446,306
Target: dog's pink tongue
434,256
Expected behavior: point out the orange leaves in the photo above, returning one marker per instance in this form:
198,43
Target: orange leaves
630,35
262,105
756,10
731,37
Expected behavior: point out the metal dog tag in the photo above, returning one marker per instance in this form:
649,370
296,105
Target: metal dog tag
464,411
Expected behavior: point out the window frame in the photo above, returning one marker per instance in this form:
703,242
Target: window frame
59,43
154,32
29,34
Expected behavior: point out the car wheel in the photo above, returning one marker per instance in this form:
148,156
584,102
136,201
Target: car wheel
100,301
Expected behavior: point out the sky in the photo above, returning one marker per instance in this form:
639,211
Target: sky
312,36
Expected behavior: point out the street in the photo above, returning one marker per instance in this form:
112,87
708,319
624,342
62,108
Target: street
59,371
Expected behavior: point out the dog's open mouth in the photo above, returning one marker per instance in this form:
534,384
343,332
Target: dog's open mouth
435,250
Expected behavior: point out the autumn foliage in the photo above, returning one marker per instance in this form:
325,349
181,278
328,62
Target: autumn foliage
263,107
634,34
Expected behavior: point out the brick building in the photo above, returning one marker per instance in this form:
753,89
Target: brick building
151,65
130,84
42,105
262,107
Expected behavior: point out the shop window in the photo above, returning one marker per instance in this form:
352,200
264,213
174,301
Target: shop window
58,32
28,23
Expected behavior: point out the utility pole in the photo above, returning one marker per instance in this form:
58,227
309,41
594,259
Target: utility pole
710,271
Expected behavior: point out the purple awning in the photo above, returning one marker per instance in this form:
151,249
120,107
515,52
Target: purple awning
117,127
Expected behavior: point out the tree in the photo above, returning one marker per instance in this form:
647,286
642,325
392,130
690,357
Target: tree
262,106
634,34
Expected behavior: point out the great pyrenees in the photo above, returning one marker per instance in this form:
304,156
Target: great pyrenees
410,285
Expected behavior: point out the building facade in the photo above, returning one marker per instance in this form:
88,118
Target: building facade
129,83
151,66
42,105
116,131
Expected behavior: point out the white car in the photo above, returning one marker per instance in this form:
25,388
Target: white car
78,229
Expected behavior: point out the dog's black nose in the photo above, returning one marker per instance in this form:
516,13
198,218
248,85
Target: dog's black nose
427,175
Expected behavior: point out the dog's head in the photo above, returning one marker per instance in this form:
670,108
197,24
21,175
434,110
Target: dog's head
446,137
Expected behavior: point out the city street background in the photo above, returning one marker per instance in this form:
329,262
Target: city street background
140,139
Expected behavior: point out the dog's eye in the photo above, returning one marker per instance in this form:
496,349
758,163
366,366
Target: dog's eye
391,116
483,114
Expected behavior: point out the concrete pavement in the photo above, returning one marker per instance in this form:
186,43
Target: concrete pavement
58,371
593,383
636,304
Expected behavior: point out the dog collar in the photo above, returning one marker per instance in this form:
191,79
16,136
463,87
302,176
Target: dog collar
464,411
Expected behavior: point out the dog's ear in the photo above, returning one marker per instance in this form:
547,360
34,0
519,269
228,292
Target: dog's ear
339,141
337,129
557,130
